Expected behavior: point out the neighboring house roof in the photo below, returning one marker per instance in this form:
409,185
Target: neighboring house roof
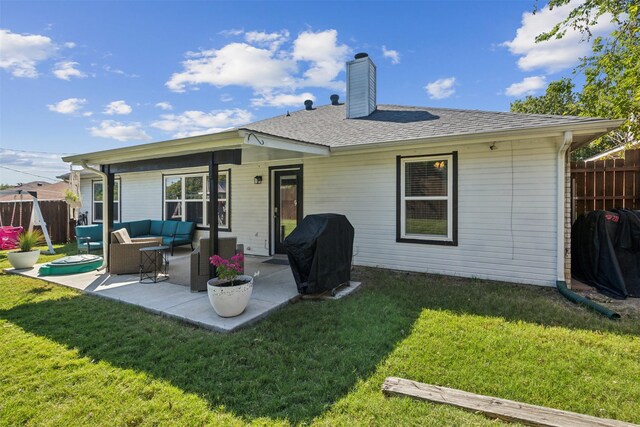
45,190
612,153
327,125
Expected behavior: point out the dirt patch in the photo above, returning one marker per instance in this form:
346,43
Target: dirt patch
628,307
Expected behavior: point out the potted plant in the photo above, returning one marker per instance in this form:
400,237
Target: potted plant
26,256
229,293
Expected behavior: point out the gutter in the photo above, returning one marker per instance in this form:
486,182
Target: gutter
562,155
105,210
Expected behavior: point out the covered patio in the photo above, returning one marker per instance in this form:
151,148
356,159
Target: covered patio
274,287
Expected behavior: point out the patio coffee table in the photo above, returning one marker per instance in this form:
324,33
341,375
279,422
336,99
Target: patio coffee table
150,271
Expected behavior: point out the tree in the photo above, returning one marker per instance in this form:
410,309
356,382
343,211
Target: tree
612,72
559,99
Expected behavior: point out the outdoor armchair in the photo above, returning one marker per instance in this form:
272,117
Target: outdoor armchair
124,252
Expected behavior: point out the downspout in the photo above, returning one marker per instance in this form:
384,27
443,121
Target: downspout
561,283
105,210
560,244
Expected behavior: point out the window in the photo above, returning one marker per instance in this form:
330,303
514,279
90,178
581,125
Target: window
427,211
185,199
98,197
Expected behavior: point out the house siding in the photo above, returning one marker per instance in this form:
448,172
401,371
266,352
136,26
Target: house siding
506,208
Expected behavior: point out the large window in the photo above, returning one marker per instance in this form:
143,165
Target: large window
98,200
185,198
427,198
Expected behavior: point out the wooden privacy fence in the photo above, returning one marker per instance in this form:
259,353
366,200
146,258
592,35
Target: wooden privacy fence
606,184
54,212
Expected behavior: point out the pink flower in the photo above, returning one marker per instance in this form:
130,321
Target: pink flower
228,269
216,260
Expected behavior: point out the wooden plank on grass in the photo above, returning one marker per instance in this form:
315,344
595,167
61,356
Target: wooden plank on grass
494,407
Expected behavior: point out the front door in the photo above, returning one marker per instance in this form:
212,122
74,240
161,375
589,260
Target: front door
287,207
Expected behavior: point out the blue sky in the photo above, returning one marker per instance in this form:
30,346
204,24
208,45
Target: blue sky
87,76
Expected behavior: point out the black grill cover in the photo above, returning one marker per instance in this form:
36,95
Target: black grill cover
320,249
606,252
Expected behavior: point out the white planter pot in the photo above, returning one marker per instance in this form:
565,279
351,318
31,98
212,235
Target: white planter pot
229,301
22,260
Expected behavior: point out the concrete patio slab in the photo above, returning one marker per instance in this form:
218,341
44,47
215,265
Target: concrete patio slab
274,288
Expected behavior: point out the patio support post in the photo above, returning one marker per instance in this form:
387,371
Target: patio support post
108,193
213,210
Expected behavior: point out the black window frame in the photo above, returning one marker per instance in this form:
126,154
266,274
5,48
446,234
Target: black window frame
453,239
183,199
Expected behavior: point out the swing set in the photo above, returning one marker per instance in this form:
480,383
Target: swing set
9,234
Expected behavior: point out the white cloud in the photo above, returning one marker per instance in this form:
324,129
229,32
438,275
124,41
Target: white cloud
110,69
270,99
164,105
235,64
191,123
225,97
68,106
44,164
556,54
120,131
528,86
21,53
66,69
393,55
231,32
262,63
117,107
270,40
326,57
441,88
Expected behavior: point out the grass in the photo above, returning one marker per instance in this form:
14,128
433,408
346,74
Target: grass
289,225
428,226
74,359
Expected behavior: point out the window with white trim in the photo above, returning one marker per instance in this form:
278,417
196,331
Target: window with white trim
426,199
98,198
186,200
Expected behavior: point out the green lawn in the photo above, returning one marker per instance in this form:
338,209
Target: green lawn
73,359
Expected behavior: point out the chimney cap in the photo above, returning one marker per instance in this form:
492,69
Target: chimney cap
335,99
361,55
308,104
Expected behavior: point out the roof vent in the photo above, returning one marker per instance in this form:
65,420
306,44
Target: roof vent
361,86
308,105
335,99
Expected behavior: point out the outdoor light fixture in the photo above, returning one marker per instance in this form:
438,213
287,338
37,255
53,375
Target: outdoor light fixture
257,179
493,147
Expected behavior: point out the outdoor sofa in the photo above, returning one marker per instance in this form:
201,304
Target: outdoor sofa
173,233
200,260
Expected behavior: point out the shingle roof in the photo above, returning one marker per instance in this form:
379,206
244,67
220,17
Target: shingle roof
327,125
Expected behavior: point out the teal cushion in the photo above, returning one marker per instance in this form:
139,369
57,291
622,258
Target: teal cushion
139,228
119,225
155,227
186,228
169,228
93,231
167,241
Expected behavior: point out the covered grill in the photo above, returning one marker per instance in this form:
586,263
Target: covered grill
605,252
320,251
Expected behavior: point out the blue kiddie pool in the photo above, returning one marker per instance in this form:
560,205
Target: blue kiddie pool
71,265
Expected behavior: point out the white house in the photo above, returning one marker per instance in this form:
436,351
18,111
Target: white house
456,192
